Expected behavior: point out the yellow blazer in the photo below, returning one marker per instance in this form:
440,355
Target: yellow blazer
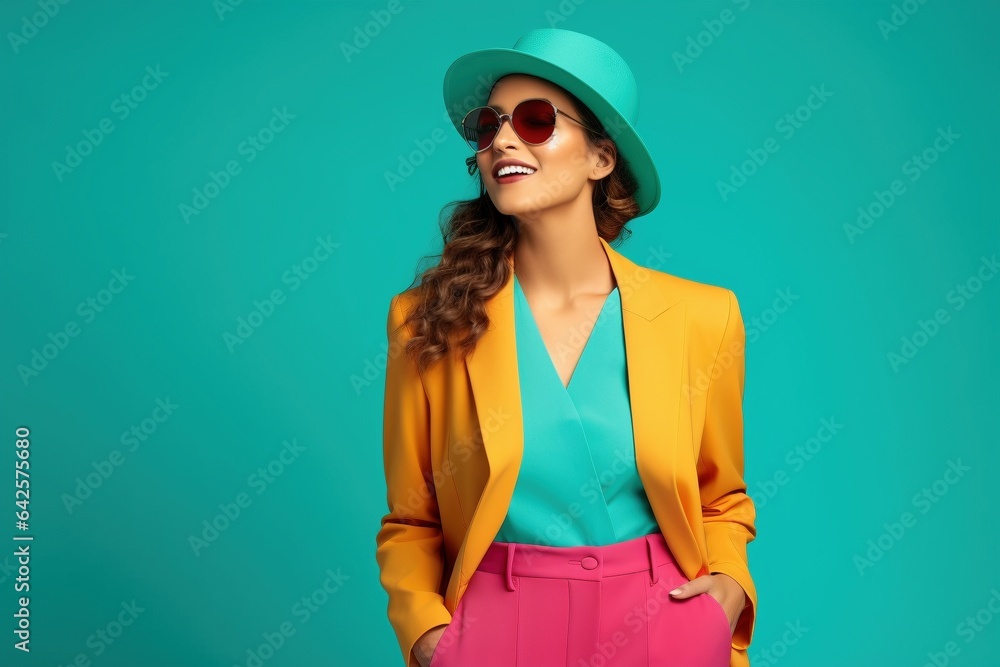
453,441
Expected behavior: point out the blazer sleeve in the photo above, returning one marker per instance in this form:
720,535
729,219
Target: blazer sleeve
728,512
409,542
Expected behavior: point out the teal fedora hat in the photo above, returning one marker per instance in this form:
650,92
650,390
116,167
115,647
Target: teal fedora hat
586,67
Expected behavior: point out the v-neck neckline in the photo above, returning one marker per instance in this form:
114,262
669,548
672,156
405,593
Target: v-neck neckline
541,340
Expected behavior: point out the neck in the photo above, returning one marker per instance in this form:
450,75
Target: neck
559,263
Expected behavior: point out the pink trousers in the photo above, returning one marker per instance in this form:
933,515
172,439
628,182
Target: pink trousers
583,606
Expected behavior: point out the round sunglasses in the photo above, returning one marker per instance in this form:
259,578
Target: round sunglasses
533,121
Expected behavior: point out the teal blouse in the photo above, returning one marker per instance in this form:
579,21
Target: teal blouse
578,483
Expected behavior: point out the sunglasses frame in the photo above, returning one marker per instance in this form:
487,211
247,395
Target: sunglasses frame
510,117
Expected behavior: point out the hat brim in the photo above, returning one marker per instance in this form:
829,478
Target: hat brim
468,82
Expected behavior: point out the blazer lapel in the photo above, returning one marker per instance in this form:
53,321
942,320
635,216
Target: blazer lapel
653,322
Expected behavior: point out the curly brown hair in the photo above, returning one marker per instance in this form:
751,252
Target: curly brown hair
450,313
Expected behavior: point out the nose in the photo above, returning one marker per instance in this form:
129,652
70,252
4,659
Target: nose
505,132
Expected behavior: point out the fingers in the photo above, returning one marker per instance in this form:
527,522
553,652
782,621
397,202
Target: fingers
694,587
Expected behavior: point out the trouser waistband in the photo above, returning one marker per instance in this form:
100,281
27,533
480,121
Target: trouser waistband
592,563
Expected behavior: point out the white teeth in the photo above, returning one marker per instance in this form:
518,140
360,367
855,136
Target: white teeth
515,169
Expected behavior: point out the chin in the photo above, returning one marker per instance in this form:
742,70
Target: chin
522,204
518,209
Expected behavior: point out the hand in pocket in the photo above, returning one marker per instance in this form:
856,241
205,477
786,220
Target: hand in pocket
426,645
727,592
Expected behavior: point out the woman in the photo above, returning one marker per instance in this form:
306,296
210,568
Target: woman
563,432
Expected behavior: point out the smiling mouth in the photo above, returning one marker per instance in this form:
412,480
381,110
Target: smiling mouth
513,177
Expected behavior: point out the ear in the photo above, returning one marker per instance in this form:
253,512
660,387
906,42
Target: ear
607,156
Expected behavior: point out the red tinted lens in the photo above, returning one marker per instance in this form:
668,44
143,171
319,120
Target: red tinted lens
480,126
534,120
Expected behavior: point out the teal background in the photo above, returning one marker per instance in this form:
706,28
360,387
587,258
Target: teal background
311,372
